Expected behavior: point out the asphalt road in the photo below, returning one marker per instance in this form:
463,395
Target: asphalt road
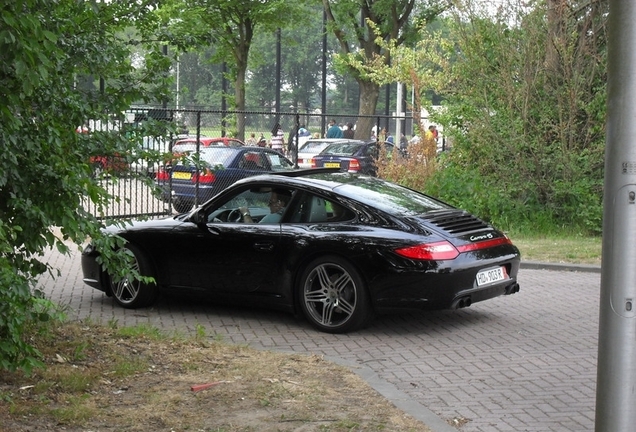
525,362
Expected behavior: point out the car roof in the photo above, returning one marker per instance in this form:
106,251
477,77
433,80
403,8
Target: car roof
206,141
371,191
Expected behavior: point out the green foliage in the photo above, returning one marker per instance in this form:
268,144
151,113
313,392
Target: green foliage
524,110
525,113
47,50
367,32
231,28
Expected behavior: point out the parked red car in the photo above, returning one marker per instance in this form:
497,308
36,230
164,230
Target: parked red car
114,165
209,141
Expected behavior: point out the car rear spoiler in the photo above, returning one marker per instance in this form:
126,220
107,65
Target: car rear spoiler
305,171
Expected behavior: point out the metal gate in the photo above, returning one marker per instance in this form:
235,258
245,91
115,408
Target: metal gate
130,179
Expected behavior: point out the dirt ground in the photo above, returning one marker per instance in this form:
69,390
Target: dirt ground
103,379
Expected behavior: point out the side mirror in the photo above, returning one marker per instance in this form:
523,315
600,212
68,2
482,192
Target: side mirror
198,217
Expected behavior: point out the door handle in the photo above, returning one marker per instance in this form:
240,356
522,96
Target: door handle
266,246
213,230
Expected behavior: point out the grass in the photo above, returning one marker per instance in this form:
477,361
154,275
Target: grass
139,379
556,249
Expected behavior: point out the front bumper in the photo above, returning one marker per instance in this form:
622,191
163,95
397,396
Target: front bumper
92,272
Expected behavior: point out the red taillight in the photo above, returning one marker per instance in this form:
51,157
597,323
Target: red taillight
206,176
354,165
313,163
430,251
484,244
162,175
446,251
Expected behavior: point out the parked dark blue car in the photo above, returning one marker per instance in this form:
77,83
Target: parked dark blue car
196,177
352,156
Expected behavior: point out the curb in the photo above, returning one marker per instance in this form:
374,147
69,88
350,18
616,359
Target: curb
396,396
535,265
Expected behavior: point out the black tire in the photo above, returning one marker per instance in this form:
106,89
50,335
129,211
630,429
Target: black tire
333,296
130,293
182,206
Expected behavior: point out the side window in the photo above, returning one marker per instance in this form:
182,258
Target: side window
315,209
338,213
277,162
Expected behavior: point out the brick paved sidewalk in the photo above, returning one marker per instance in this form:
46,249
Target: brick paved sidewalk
525,362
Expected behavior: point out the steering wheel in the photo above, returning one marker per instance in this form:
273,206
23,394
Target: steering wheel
235,216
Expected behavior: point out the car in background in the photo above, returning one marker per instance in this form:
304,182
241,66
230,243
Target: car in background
312,147
345,248
115,165
353,156
193,177
205,141
152,156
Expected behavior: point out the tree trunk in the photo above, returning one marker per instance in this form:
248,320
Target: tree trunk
369,94
239,97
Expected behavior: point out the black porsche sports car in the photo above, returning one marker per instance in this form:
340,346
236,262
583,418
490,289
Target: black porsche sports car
338,247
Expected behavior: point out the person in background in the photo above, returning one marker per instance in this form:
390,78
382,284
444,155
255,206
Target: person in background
349,132
431,133
278,138
262,142
334,130
303,132
251,141
404,143
382,135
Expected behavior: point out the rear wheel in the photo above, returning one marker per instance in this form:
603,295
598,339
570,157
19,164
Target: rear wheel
131,293
333,296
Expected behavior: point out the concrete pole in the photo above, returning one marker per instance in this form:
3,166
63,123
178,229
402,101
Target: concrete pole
616,378
398,115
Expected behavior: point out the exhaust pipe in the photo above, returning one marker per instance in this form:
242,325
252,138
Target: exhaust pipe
511,289
461,302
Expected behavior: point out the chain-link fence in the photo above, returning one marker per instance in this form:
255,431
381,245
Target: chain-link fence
140,182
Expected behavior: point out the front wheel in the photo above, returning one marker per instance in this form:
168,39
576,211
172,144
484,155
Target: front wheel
131,293
333,296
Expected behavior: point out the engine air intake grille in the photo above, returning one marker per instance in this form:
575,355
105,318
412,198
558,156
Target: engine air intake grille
456,222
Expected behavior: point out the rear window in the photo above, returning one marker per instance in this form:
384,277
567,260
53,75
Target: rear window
215,156
390,197
313,146
341,149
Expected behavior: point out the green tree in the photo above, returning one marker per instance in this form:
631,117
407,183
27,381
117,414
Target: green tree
230,27
45,178
526,108
394,21
524,104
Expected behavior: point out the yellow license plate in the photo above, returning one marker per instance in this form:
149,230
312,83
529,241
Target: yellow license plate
181,175
332,164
